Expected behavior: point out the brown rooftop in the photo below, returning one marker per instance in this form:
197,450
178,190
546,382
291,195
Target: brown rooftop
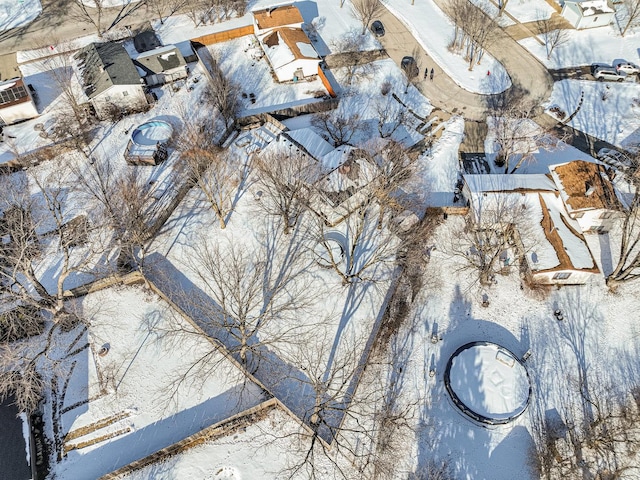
277,16
587,186
15,94
291,37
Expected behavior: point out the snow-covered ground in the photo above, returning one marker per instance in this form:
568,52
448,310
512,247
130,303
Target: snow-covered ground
529,10
610,111
595,335
584,47
16,13
139,402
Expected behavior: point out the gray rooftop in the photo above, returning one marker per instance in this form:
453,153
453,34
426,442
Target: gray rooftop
160,60
104,65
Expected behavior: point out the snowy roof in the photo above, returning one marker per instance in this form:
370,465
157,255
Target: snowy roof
556,242
585,186
160,60
508,183
593,7
314,144
284,45
277,16
552,240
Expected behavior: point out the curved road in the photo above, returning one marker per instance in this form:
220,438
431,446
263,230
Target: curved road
526,72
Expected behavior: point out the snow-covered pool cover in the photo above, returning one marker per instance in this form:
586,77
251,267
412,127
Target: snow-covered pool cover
487,382
151,133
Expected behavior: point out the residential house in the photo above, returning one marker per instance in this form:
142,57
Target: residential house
287,47
549,241
110,79
16,102
162,65
588,13
588,194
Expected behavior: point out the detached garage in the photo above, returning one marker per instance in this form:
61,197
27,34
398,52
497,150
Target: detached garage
588,13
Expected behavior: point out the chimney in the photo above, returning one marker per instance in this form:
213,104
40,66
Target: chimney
589,189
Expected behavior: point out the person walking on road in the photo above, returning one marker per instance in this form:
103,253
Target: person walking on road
431,75
426,72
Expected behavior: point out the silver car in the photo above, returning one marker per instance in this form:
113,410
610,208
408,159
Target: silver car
603,73
628,68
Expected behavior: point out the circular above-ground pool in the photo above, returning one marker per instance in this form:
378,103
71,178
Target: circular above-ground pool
488,383
152,133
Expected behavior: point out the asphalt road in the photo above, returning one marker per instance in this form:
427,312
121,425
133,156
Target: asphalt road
525,71
60,21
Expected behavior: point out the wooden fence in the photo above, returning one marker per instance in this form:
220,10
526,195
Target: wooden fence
220,37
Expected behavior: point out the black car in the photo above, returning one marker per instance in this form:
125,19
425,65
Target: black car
377,28
409,66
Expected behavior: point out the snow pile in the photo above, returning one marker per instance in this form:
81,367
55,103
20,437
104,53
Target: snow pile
16,13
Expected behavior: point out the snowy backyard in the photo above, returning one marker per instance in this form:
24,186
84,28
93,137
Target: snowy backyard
308,284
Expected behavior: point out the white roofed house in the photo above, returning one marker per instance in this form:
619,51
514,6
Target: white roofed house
287,47
16,102
110,79
588,194
546,238
588,13
162,65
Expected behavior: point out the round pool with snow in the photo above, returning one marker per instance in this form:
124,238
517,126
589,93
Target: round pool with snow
488,382
152,133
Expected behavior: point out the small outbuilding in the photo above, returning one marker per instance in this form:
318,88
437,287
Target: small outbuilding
16,102
588,13
162,65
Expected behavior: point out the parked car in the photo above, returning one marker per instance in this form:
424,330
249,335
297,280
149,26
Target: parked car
377,28
410,67
614,158
628,68
603,73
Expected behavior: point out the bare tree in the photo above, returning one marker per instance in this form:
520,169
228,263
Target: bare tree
93,15
488,233
632,8
195,11
517,136
552,37
340,126
285,177
411,68
594,435
391,115
350,47
72,120
243,292
166,8
361,252
474,30
628,266
223,94
365,11
216,172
